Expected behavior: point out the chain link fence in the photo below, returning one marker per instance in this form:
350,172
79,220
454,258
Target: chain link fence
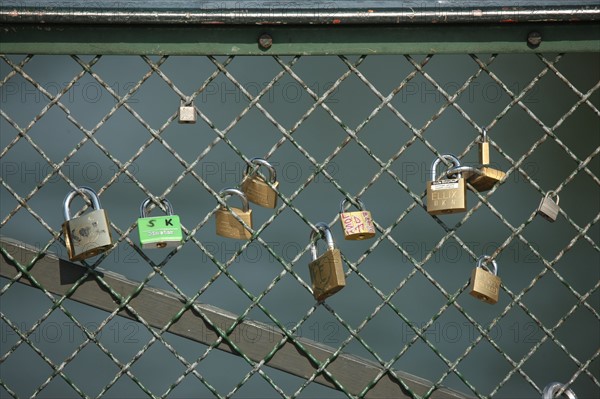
224,318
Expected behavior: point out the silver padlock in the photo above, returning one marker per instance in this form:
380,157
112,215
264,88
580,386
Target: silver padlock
549,209
553,388
187,113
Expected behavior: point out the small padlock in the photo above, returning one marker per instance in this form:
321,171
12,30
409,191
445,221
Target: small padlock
187,113
326,271
159,232
356,225
487,176
89,234
255,187
227,224
553,388
446,195
485,285
549,209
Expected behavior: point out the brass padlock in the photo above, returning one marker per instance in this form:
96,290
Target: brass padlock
255,187
187,113
487,176
227,224
356,225
549,209
551,390
326,271
89,234
485,285
447,195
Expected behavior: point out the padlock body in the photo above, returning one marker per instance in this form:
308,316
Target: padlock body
327,274
484,152
87,235
548,209
486,180
228,226
357,225
446,196
160,232
187,114
484,286
259,192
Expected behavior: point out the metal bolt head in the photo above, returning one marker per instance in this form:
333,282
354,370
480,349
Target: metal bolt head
534,39
265,41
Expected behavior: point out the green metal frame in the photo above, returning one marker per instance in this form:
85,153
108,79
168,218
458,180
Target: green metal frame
296,39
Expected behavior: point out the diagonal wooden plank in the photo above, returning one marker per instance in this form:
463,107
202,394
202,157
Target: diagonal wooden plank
158,306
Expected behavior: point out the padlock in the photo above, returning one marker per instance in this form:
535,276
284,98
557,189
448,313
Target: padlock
485,285
255,187
187,113
326,271
488,176
227,224
552,389
549,209
356,225
89,234
159,232
447,195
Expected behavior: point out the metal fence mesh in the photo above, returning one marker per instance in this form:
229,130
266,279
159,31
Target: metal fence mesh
583,364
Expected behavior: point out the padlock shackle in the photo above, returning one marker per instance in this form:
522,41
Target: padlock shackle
84,191
361,206
321,232
484,136
552,389
436,162
234,191
262,162
553,194
482,259
186,103
146,203
459,170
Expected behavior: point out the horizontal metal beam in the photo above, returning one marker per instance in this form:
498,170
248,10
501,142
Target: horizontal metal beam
277,12
291,40
157,307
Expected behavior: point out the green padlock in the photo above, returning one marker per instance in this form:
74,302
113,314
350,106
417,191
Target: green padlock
159,232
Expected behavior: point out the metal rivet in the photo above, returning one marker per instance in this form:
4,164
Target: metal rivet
265,41
534,39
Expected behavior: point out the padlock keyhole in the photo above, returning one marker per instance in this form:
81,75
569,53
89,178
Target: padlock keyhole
94,252
161,244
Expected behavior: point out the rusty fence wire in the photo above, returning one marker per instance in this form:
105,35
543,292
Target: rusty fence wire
390,145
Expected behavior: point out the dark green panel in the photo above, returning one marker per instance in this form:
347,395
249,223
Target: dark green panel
243,40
